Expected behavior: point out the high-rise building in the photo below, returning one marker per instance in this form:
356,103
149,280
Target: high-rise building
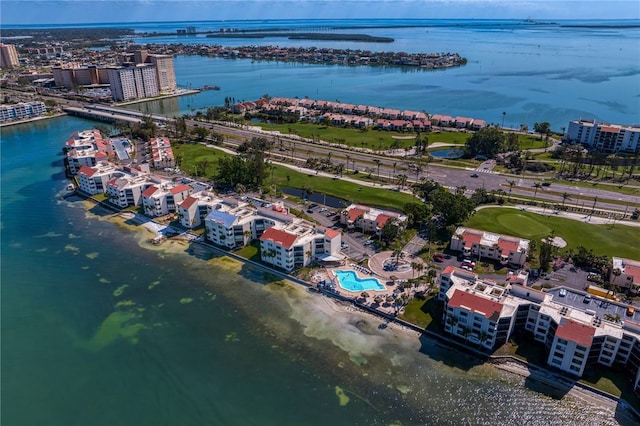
8,56
164,72
604,136
133,82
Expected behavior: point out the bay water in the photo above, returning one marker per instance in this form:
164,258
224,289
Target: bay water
554,72
100,327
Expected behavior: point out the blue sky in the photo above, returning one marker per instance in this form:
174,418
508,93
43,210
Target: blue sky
13,12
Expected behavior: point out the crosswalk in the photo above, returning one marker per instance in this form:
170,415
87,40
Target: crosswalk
484,170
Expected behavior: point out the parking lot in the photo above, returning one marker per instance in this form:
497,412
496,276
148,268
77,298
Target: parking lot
599,306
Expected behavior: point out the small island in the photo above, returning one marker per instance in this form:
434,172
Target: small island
304,36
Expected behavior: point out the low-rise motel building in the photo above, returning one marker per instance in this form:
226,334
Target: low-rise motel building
503,248
579,330
370,219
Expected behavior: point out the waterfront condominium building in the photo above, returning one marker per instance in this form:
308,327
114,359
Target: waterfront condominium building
579,331
133,82
297,244
126,186
86,148
604,137
165,73
162,199
21,110
231,224
196,207
477,243
8,56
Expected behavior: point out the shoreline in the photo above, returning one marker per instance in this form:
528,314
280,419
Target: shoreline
332,304
32,119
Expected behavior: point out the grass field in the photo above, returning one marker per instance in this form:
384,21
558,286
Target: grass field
618,240
191,154
340,188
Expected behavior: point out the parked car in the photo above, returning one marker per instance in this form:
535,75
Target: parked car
587,298
438,257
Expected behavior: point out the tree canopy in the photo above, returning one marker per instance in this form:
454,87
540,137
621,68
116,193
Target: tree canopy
487,141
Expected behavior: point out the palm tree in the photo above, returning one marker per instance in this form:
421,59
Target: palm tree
378,162
503,115
394,169
402,181
537,186
511,184
348,158
418,170
565,197
616,273
414,266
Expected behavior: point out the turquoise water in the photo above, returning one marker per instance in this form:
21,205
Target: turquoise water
99,327
349,281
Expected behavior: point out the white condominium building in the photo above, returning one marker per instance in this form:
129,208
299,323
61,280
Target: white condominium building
297,244
164,72
21,111
369,219
133,82
86,148
195,208
605,137
126,186
579,330
231,225
477,243
162,199
161,152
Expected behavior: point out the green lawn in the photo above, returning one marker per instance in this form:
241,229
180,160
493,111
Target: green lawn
618,240
341,189
370,138
191,154
424,312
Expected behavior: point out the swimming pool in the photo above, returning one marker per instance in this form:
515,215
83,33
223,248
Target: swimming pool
349,281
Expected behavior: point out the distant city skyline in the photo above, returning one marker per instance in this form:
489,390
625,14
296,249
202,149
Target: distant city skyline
42,12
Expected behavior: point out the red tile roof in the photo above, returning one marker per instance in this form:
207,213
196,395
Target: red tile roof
180,188
381,220
355,213
471,238
507,246
149,191
490,309
331,233
279,236
188,202
573,331
87,171
634,271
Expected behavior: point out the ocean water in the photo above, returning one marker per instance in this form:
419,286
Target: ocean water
99,327
555,72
